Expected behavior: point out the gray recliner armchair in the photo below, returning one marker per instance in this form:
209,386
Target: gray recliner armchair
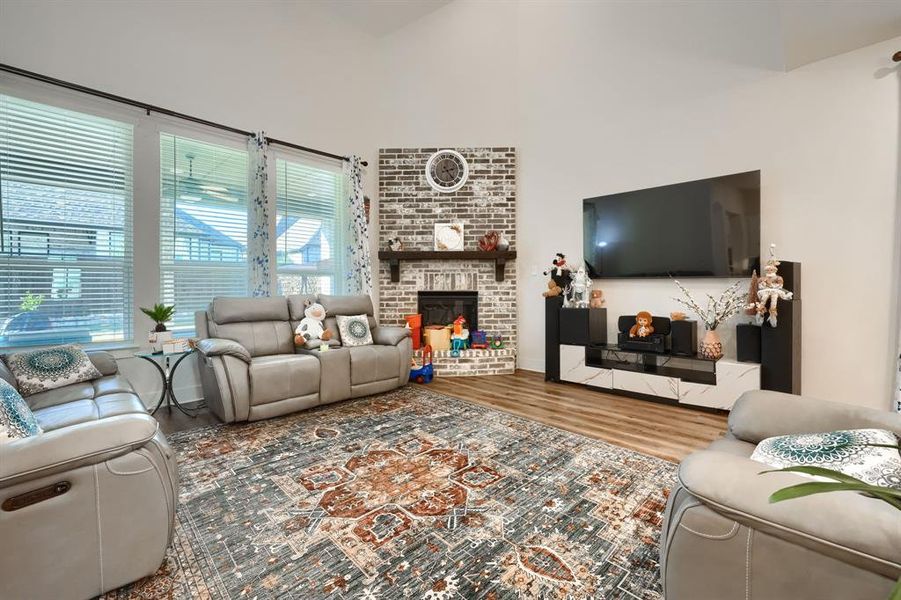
723,540
89,504
251,369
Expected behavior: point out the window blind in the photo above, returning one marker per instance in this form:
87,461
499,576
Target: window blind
65,226
310,227
203,226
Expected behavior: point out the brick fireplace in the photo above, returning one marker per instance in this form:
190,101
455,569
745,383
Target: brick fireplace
409,208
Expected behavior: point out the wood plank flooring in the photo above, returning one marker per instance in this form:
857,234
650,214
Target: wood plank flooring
665,431
662,430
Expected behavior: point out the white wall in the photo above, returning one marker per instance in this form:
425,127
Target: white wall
290,69
608,97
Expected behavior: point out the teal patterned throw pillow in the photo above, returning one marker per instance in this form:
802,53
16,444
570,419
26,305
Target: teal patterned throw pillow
354,330
50,368
842,451
16,419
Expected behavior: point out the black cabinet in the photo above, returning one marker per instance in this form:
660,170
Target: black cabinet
780,346
552,308
780,350
583,326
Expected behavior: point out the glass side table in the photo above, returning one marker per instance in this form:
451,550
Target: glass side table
167,373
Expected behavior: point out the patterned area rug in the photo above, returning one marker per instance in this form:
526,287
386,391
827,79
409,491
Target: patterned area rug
410,494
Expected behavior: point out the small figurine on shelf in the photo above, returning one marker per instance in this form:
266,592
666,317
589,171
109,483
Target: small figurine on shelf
580,287
395,244
478,340
643,325
488,242
751,308
560,272
497,343
769,291
596,299
552,289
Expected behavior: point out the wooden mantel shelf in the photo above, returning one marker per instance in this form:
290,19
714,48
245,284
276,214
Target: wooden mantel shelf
499,257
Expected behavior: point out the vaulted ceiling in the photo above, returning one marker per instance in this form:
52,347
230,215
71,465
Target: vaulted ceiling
811,30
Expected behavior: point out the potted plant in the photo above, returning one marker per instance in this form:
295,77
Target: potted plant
718,311
160,314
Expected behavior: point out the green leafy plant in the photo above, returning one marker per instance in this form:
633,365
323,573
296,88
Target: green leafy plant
31,302
160,313
840,483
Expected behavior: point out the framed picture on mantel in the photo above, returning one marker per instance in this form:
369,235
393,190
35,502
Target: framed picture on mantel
448,236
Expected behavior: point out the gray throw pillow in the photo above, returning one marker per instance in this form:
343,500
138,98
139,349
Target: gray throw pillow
354,330
50,368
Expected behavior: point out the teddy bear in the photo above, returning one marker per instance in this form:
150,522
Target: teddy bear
311,327
643,325
552,289
597,299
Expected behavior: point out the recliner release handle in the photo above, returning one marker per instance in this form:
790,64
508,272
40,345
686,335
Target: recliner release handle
35,496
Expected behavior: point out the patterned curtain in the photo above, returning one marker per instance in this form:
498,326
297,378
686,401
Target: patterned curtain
359,272
258,255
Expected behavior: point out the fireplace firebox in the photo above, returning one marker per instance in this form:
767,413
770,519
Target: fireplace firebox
441,308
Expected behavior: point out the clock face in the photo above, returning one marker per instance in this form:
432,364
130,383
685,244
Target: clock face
446,171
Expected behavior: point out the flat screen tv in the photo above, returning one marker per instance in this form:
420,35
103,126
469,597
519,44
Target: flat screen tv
704,228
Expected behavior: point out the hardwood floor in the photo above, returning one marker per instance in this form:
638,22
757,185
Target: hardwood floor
665,431
662,430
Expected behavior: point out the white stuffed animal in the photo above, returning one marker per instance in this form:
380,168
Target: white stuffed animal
311,327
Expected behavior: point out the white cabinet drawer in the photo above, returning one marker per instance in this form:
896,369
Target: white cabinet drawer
574,369
643,383
732,380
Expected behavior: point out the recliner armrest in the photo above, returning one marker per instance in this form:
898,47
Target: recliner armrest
389,336
219,347
845,524
760,414
77,445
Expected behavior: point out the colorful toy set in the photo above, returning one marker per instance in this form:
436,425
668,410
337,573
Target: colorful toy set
425,372
455,338
478,340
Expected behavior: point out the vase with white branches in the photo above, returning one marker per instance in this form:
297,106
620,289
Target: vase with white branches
718,311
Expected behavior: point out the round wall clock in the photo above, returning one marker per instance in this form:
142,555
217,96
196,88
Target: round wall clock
446,171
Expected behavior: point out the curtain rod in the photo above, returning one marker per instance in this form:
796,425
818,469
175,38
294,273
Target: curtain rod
149,108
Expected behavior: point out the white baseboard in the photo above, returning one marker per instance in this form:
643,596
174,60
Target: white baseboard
526,364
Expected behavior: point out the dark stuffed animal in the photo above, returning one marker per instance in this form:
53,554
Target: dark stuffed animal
560,272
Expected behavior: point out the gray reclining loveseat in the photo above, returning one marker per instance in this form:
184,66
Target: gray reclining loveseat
250,368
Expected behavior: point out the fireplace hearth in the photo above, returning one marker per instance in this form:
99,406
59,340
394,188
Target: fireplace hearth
441,308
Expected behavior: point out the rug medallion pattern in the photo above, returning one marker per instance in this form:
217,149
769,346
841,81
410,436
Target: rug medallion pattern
410,494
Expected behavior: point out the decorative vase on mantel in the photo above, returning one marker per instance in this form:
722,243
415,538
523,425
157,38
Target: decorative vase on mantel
711,346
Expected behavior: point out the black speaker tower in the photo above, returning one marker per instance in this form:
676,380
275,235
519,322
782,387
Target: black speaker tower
552,308
780,346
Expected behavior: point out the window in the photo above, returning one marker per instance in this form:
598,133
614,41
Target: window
309,227
203,226
65,226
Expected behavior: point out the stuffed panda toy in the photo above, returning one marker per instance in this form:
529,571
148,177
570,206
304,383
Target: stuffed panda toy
311,326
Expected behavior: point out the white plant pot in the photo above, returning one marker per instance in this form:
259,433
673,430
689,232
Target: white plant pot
157,339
